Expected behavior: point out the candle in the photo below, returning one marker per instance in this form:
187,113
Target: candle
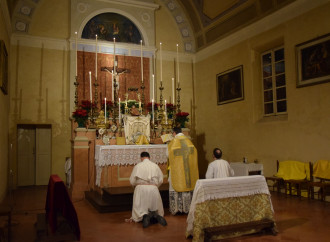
141,62
90,86
153,86
113,90
161,63
76,53
153,111
165,113
114,55
173,90
177,59
105,110
119,112
95,57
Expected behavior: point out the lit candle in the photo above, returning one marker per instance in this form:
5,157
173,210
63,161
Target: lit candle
153,86
119,111
177,59
105,110
165,113
161,63
114,55
113,90
96,57
76,53
90,86
141,62
173,90
153,111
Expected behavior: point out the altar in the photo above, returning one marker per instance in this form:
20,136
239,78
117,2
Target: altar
114,163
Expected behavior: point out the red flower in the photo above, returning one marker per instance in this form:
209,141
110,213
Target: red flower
182,114
149,106
109,104
80,113
87,105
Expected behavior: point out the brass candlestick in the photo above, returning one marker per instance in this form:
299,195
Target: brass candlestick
76,84
178,110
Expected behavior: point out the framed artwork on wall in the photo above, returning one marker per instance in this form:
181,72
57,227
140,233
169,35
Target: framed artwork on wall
3,67
313,61
230,85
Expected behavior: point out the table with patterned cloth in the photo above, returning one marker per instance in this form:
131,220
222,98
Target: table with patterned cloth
227,201
245,169
126,155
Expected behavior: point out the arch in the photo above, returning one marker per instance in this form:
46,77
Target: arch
139,26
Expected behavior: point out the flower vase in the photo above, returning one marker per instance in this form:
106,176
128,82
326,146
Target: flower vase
183,124
81,123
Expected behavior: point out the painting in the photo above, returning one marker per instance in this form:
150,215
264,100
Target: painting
313,61
112,25
230,85
3,67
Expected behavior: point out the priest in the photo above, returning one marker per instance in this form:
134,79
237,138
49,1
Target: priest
147,202
183,172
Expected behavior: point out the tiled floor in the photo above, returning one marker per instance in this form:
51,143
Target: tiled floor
296,219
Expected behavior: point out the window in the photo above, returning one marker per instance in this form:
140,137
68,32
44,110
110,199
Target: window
274,83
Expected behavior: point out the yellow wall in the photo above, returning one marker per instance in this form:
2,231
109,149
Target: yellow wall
4,122
239,128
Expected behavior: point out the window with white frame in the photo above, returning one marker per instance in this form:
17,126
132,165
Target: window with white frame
274,83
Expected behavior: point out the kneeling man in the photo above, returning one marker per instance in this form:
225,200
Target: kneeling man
147,202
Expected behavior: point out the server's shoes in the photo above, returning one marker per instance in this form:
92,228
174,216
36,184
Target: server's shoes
161,220
146,221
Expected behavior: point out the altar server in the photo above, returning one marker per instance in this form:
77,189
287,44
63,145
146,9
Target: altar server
218,168
183,172
147,202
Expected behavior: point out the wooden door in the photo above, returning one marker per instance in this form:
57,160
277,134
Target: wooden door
43,155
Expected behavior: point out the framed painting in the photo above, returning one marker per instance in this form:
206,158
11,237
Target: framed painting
3,67
230,85
313,61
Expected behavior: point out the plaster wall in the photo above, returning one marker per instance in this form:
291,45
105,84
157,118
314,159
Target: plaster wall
4,122
240,128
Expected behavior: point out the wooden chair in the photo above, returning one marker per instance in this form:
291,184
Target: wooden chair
321,172
299,184
278,182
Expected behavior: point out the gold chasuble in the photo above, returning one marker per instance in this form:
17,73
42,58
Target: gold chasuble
183,164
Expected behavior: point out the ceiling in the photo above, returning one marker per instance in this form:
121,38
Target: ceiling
201,22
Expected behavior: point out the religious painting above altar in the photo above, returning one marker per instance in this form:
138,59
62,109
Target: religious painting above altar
112,25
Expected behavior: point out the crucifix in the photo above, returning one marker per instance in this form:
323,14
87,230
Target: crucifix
185,151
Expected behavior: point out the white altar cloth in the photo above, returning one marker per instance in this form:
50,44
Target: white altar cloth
108,155
243,169
211,189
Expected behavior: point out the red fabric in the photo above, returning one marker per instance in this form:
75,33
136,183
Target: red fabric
58,201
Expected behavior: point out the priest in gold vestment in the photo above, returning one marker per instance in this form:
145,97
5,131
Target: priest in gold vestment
183,172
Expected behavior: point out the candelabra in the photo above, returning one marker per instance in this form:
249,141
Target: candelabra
142,88
178,110
76,84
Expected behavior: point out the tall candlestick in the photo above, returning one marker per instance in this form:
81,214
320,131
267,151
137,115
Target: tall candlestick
153,86
76,53
119,111
90,87
161,62
153,111
105,110
165,113
113,91
177,59
114,55
96,57
173,90
141,62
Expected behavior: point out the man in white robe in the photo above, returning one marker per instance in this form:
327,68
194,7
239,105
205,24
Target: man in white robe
218,168
147,202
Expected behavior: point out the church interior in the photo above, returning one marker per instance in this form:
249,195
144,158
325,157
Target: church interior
83,78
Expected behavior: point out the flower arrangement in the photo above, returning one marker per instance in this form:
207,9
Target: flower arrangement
87,105
170,108
181,118
80,117
109,105
149,106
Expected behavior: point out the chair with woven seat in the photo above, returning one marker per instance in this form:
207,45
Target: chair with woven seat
296,174
321,172
278,182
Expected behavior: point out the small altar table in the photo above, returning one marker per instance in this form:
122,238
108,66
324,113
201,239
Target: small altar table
226,201
246,169
121,160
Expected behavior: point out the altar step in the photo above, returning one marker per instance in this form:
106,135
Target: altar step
116,199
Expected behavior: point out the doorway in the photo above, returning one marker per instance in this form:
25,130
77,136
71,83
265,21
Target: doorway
33,154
